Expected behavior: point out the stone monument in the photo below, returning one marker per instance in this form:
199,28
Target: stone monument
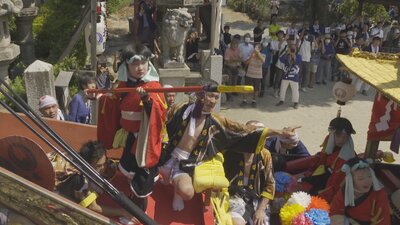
39,81
25,40
176,23
173,70
8,51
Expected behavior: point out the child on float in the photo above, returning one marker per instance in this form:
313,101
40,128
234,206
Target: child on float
324,175
363,199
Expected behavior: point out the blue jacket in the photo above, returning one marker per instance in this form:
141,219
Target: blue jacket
268,56
300,149
291,69
78,112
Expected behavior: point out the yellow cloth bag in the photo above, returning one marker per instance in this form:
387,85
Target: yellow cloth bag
120,138
220,203
210,175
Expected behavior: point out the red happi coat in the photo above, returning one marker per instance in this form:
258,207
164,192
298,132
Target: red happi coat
336,179
131,104
374,209
108,119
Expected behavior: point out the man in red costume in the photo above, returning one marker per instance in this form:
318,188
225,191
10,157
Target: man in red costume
363,199
325,176
141,120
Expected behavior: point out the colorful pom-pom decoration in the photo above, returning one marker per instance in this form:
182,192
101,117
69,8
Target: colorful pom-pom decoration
282,181
318,203
318,217
301,219
288,212
302,198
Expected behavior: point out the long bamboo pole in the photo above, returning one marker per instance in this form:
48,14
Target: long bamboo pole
221,88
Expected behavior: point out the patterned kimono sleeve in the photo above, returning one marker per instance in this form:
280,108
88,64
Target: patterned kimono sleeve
238,137
268,190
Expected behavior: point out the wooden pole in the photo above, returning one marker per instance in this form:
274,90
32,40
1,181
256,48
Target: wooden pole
215,24
93,34
77,34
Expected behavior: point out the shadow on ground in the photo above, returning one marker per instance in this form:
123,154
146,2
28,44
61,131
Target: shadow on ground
320,96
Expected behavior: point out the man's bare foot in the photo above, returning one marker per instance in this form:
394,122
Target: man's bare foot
177,203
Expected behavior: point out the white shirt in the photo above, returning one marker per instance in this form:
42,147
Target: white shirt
275,47
60,115
305,50
377,32
374,49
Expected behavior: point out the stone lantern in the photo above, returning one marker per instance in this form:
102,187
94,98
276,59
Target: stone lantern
24,20
8,51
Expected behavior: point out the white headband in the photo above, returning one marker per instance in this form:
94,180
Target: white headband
47,100
151,74
349,188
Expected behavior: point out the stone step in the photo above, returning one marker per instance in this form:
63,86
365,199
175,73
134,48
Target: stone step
193,79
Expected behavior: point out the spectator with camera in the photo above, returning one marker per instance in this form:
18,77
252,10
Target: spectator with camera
291,33
291,62
279,48
233,62
304,45
258,31
342,46
327,54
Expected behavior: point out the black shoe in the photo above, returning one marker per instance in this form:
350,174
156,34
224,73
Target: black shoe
296,105
243,103
253,104
279,103
323,82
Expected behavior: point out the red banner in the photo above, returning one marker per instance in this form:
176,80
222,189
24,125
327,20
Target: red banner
385,118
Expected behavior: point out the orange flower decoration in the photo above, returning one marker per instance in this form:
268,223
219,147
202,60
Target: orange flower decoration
318,203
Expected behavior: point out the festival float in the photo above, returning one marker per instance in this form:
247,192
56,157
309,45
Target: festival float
27,175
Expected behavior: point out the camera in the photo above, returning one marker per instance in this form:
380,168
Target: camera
310,38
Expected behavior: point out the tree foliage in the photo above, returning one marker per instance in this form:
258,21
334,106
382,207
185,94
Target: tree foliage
18,85
115,5
53,28
349,8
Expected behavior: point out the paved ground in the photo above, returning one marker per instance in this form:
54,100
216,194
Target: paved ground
317,106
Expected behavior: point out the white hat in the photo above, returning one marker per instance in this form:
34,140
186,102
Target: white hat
47,100
293,140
